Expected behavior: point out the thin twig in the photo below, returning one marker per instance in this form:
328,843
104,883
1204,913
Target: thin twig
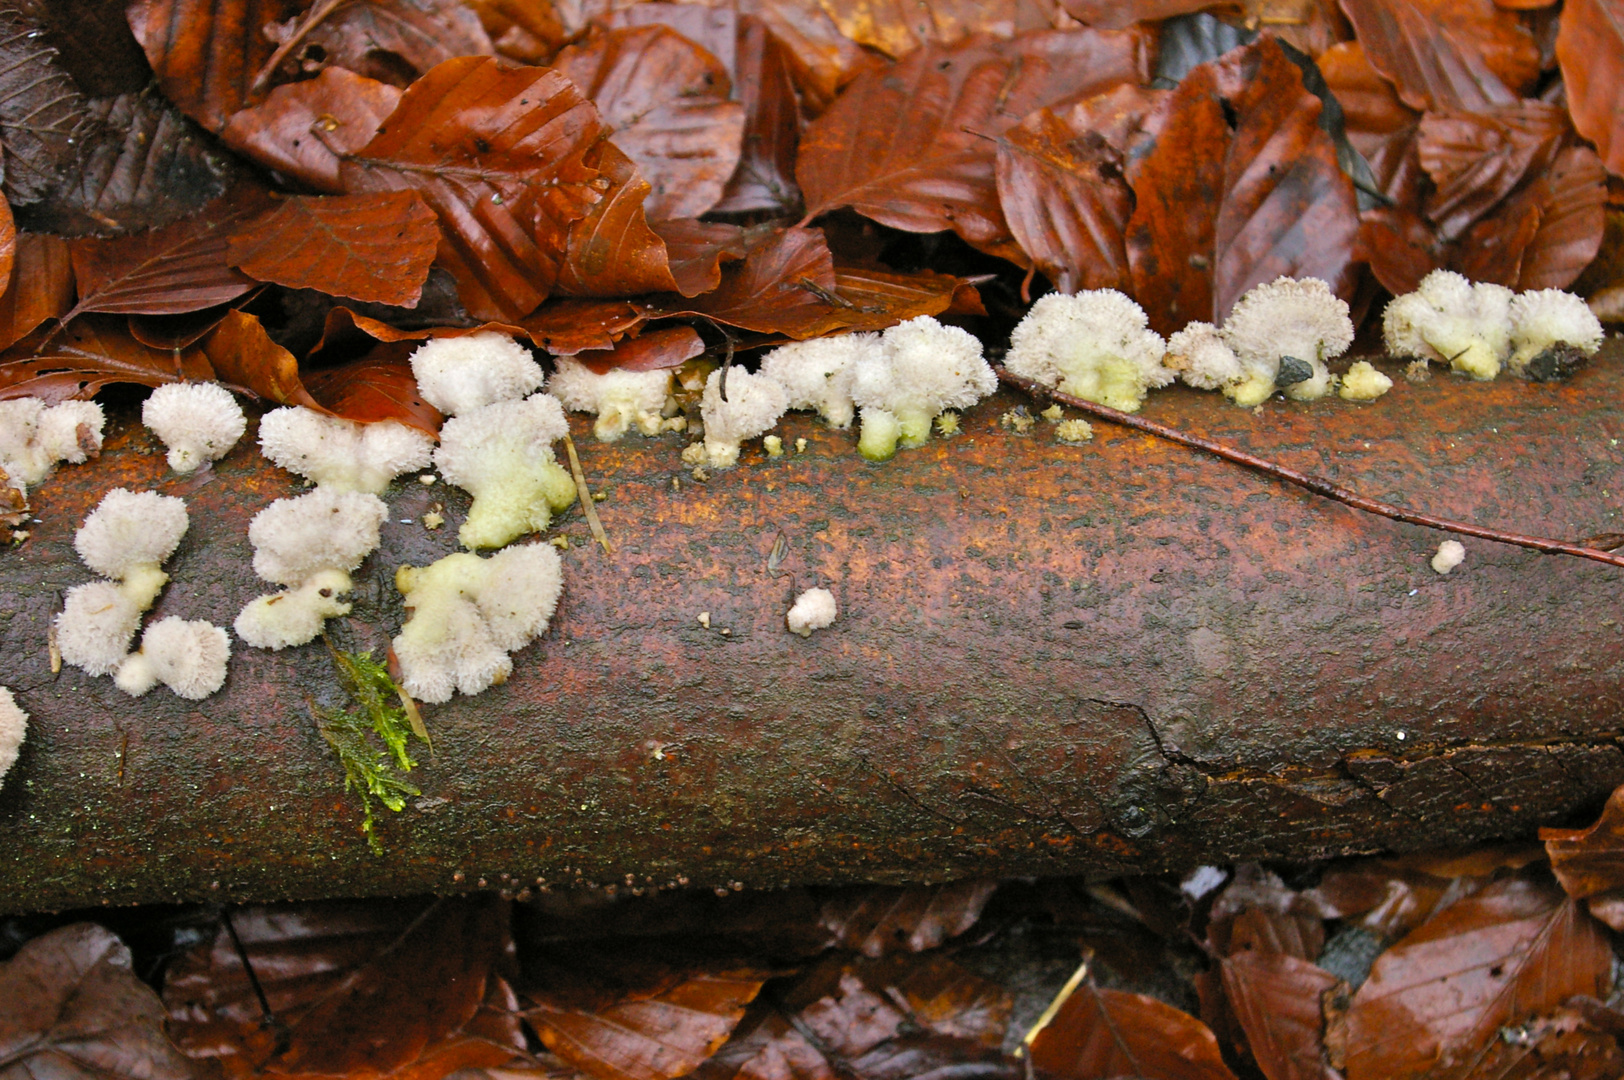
585,494
308,22
1316,484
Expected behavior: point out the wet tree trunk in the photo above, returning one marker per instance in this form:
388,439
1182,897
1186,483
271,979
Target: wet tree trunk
1110,658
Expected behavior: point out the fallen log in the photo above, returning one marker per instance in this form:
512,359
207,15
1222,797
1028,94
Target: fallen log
1118,657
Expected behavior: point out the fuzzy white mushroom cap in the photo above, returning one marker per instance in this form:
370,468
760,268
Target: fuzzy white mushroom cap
618,398
97,622
754,404
1095,345
294,616
1451,553
818,374
1545,317
199,422
813,610
1449,320
503,454
467,613
460,374
34,437
189,657
323,529
1291,317
1202,358
342,454
13,730
131,531
1363,383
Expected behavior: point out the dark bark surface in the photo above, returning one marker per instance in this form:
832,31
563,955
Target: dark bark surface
1110,658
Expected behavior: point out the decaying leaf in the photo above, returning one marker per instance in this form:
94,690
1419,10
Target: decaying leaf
377,386
1108,1033
654,350
499,153
1513,950
876,921
92,352
665,101
41,286
380,39
611,250
243,355
780,288
357,986
897,27
1476,159
71,1008
1590,48
375,248
208,54
304,129
765,176
1447,54
1275,997
1590,861
915,146
45,120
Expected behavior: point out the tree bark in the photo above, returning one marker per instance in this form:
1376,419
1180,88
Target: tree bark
1119,657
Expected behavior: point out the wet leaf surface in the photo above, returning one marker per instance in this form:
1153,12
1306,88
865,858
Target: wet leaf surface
40,286
208,54
765,176
1590,48
92,352
71,1008
366,247
653,350
1442,54
377,386
379,39
304,130
1276,997
44,117
1107,1033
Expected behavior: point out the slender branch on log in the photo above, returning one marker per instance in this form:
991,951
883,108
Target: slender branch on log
1308,481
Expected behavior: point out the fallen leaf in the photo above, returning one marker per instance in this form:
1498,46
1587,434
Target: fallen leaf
499,153
915,146
665,102
696,250
144,166
1371,109
611,251
643,1023
377,386
876,298
40,286
780,288
1256,912
1562,1045
879,920
8,246
244,356
1121,14
376,247
45,119
1590,49
565,327
822,60
355,985
1275,998
90,353
1100,1033
654,350
899,27
304,130
71,1009
1513,950
715,29
377,38
1475,159
1447,54
1590,861
179,268
1571,198
1399,246
207,54
765,176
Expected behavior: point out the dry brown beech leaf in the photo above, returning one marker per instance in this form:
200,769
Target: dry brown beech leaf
914,146
853,1006
611,250
1371,109
765,176
304,129
665,101
169,271
696,250
41,286
1475,159
359,986
207,54
878,920
499,153
1433,1001
375,247
1120,14
376,38
784,286
92,352
71,1009
898,27
1447,54
1108,1033
243,355
1276,999
1590,49
1572,219
377,386
654,350
1590,860
822,60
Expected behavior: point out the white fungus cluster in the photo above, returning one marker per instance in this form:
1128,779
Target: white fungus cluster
752,406
198,422
817,374
468,613
309,544
498,444
13,730
920,370
342,454
1479,328
126,539
34,437
1096,345
813,610
620,399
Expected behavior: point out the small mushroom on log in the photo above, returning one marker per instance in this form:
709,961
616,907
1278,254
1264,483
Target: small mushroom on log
1120,656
